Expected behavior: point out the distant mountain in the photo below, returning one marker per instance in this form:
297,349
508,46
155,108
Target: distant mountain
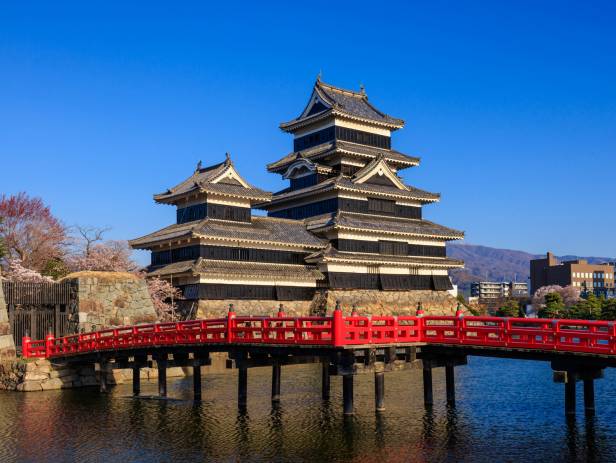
493,264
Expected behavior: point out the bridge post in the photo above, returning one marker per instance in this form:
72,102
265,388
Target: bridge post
589,396
242,387
427,383
161,363
379,391
103,376
197,380
450,383
276,370
570,393
347,394
136,381
325,380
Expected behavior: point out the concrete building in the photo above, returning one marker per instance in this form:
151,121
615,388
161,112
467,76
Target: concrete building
598,278
487,291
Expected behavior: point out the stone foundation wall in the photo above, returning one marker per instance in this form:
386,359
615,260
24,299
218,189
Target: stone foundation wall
219,308
7,344
375,302
367,301
42,375
112,299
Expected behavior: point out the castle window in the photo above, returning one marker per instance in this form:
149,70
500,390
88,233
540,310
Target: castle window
381,205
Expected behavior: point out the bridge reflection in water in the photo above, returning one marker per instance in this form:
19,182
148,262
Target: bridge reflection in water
490,422
345,346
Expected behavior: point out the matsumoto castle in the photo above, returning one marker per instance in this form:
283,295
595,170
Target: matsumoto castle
347,227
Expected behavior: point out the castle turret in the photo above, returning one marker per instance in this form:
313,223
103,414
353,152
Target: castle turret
218,251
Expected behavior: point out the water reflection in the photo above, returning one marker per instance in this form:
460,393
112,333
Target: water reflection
495,419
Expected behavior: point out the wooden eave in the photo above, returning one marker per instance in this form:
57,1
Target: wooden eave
411,263
335,226
173,200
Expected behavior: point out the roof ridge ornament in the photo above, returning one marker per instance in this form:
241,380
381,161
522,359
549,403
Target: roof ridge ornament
228,161
319,75
362,90
199,165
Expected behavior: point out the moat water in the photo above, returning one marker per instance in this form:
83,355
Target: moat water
506,411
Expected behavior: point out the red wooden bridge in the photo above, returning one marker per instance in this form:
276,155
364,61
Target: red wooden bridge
345,345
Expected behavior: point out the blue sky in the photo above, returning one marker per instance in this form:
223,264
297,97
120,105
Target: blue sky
510,105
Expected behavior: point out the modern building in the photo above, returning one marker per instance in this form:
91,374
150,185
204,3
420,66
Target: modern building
598,278
498,290
518,289
347,221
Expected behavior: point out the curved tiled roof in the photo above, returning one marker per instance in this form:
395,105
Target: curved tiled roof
260,229
332,254
339,101
364,222
246,270
257,270
323,150
176,268
202,180
341,183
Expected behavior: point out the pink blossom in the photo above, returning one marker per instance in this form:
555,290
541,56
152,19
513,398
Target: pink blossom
17,272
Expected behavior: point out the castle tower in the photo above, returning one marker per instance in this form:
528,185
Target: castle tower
344,184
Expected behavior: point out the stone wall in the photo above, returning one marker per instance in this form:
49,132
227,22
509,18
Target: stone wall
7,344
375,302
367,301
111,299
219,308
42,375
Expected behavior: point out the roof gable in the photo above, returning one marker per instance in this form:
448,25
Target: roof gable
316,105
378,172
328,99
228,175
301,166
220,178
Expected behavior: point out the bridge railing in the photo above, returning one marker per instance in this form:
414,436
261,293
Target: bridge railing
597,337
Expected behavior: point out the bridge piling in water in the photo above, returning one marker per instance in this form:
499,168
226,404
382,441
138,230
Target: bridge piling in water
103,376
242,388
136,381
161,363
570,396
197,381
584,373
379,391
589,396
325,380
450,384
347,394
276,371
427,383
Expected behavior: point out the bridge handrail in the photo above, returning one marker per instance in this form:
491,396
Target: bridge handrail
585,336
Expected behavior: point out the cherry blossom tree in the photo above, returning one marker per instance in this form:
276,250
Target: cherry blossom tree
569,294
2,246
30,232
109,256
164,297
15,271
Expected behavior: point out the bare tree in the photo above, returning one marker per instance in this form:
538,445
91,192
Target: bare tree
90,236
